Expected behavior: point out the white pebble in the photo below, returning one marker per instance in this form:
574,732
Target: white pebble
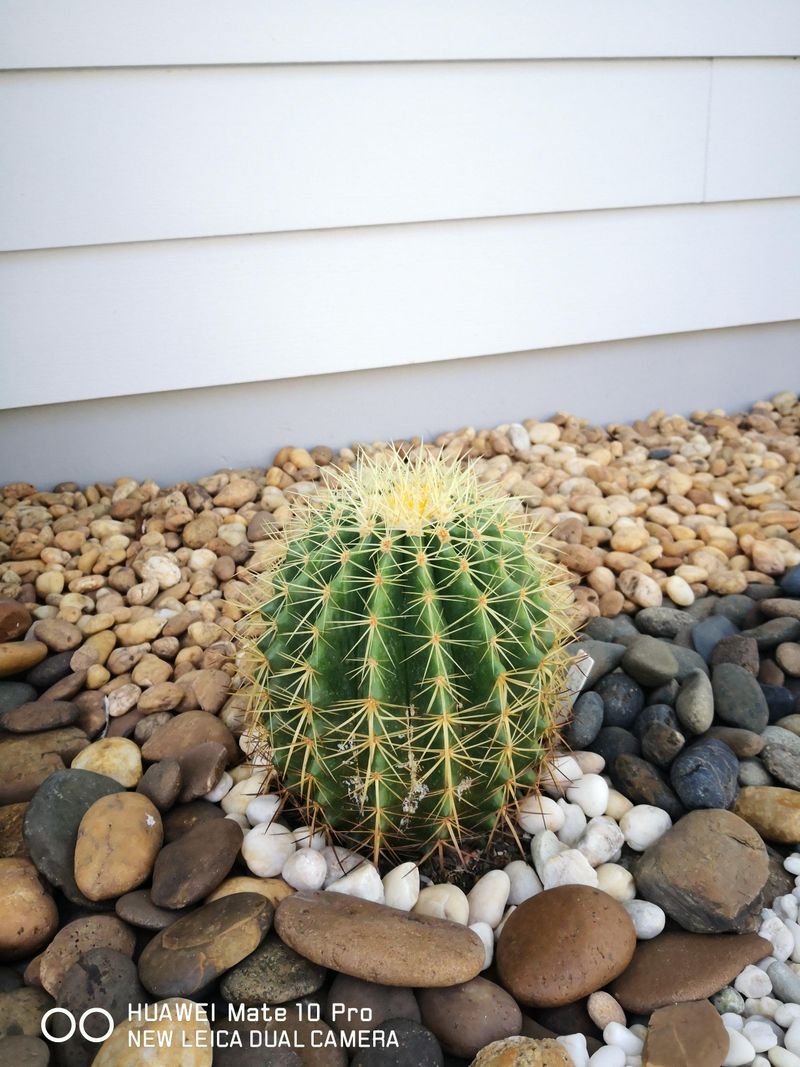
608,1056
732,1020
792,863
782,1057
753,982
266,848
786,1014
575,1046
538,813
401,887
240,820
221,789
589,762
740,1051
263,808
304,869
524,881
621,1037
617,881
766,1006
792,1038
760,1035
574,823
679,591
363,882
779,936
559,774
590,794
543,847
568,868
499,929
786,906
305,837
445,901
648,919
617,804
486,934
242,793
339,861
488,898
600,841
643,825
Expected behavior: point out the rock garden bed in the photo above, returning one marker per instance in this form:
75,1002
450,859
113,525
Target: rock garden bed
643,910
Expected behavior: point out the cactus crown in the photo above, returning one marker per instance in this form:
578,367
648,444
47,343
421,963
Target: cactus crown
409,654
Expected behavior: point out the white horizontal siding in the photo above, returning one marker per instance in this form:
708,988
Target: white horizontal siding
110,320
754,130
130,155
99,33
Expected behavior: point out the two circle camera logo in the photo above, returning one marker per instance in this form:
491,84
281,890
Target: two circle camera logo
79,1024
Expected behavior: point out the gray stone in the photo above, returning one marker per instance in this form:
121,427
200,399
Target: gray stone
774,632
662,622
728,1000
661,744
587,719
738,699
14,694
753,772
649,661
273,974
785,982
605,656
688,661
665,694
705,775
706,635
782,764
695,704
413,1046
622,698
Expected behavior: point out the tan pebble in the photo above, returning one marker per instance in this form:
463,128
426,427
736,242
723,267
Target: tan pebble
96,676
141,631
604,1009
93,624
95,649
143,593
679,591
164,696
122,699
58,635
640,588
50,583
726,582
150,670
116,757
17,656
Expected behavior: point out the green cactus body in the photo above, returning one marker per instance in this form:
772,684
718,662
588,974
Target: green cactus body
411,656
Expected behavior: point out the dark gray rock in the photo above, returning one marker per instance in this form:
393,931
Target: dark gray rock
780,701
782,764
739,608
587,719
705,775
649,661
688,661
662,622
613,741
738,699
737,649
622,697
661,713
706,635
790,582
273,974
50,670
606,657
661,744
665,694
415,1047
642,783
51,825
15,694
774,632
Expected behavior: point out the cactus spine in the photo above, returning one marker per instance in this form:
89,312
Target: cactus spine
409,654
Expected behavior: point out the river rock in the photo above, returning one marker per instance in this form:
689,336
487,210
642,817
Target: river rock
24,1051
182,1036
376,943
52,821
77,938
773,811
12,694
161,783
738,699
707,872
201,769
15,620
353,1005
41,715
118,840
642,783
708,633
274,889
737,649
705,775
466,1017
51,671
649,661
138,909
12,841
587,719
605,656
563,944
774,632
694,705
28,914
188,869
21,1011
192,952
691,1034
184,732
612,742
185,817
273,974
524,1051
19,656
676,966
115,757
661,744
622,698
412,1045
101,978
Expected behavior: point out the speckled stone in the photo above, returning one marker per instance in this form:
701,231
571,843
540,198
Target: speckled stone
273,974
622,698
642,783
705,775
